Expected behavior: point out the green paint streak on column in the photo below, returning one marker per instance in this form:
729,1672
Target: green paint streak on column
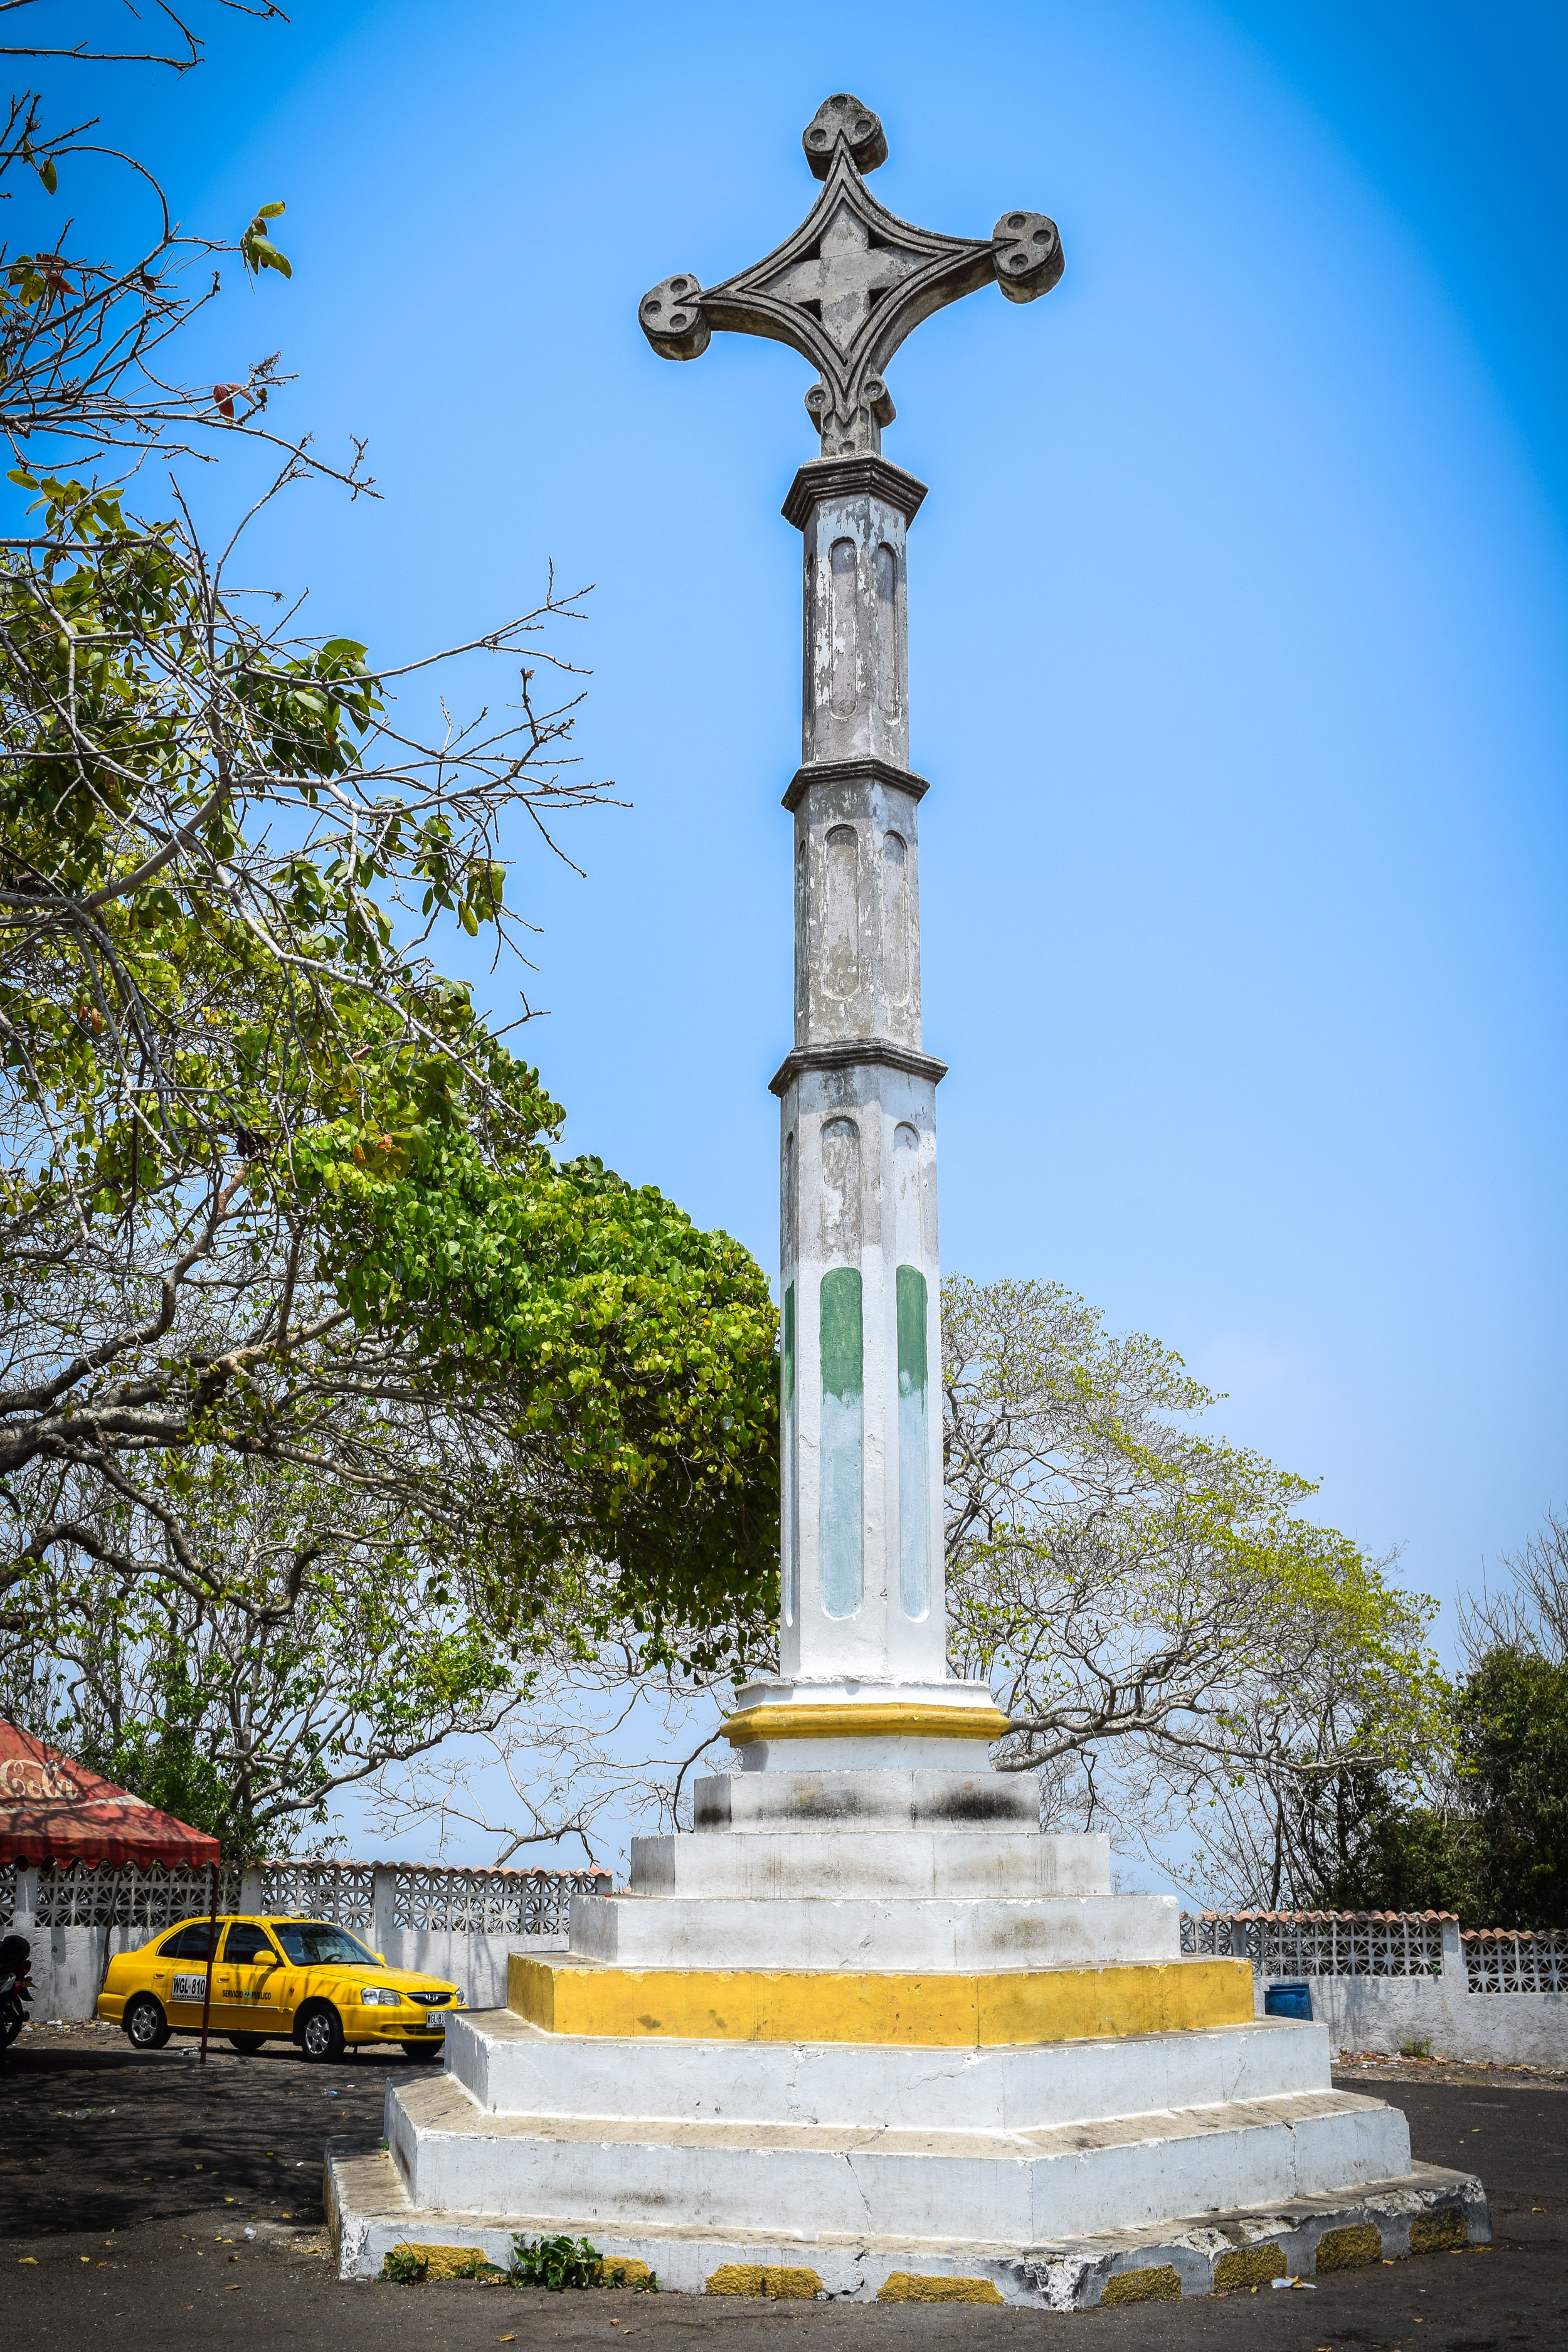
914,1445
786,1454
841,1508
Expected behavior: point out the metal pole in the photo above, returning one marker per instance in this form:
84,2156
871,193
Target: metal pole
212,1947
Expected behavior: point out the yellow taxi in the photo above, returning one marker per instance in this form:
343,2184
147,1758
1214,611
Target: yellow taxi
299,1980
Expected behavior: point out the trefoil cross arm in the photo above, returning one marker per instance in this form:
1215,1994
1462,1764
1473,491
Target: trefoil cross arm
851,282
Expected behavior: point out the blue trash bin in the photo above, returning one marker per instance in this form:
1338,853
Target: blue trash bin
1288,2001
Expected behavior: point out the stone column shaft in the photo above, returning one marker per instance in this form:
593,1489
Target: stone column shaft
861,1416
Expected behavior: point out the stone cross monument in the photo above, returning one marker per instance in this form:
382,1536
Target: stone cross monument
868,2029
863,1636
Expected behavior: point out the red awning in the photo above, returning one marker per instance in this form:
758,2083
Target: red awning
52,1810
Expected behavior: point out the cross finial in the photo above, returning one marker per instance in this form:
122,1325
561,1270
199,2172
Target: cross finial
851,282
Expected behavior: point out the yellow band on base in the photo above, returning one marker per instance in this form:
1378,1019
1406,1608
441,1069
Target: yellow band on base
896,1719
933,2011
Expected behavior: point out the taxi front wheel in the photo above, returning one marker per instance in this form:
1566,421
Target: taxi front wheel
319,2033
146,2027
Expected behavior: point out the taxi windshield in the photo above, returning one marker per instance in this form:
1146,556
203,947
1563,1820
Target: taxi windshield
310,1943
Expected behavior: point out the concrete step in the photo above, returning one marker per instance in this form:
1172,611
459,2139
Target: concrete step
1045,1931
897,1866
1024,2184
869,1801
507,2065
370,2211
903,2008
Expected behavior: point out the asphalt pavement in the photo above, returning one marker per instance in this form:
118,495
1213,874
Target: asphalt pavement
128,2182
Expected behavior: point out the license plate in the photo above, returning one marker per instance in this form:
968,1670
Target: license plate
428,2029
189,1988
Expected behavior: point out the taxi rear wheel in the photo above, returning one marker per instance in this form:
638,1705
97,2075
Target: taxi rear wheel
248,2045
146,2027
319,2033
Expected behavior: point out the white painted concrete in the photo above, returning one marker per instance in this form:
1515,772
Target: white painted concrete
1047,1931
369,2212
1079,2177
876,1800
505,2064
1392,2013
902,1865
861,1425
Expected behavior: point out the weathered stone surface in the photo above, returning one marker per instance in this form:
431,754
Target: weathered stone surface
861,1440
509,2066
793,1929
851,282
628,2171
369,2211
899,1865
896,1799
868,2006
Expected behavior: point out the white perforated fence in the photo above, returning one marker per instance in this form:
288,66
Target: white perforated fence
455,1902
491,1902
96,1894
457,1924
1516,1960
342,1891
1321,1943
1406,1980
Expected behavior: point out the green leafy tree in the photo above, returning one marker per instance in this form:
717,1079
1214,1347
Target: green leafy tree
1169,1636
274,1190
1488,1841
246,1719
1513,1734
1483,1830
1513,1738
1364,1840
274,1202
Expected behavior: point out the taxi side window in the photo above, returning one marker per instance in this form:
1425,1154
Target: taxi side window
247,1943
190,1944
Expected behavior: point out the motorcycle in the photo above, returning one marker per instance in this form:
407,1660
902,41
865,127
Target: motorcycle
16,1986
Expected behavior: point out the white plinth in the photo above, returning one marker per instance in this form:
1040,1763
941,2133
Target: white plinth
1043,2166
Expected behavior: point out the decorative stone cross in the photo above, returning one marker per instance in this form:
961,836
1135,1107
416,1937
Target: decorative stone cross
851,282
863,1639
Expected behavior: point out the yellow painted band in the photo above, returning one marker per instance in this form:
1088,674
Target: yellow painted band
907,2012
897,1717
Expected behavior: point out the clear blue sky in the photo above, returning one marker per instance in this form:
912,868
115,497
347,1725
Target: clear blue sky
1239,617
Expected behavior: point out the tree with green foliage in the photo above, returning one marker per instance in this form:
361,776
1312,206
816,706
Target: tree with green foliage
1513,1739
1478,1826
278,1213
219,1705
1513,1734
1168,1635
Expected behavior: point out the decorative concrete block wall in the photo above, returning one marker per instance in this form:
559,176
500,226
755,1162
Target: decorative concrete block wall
1394,1980
458,1924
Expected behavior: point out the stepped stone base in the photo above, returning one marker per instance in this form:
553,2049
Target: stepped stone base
1428,2208
871,2034
1027,2183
